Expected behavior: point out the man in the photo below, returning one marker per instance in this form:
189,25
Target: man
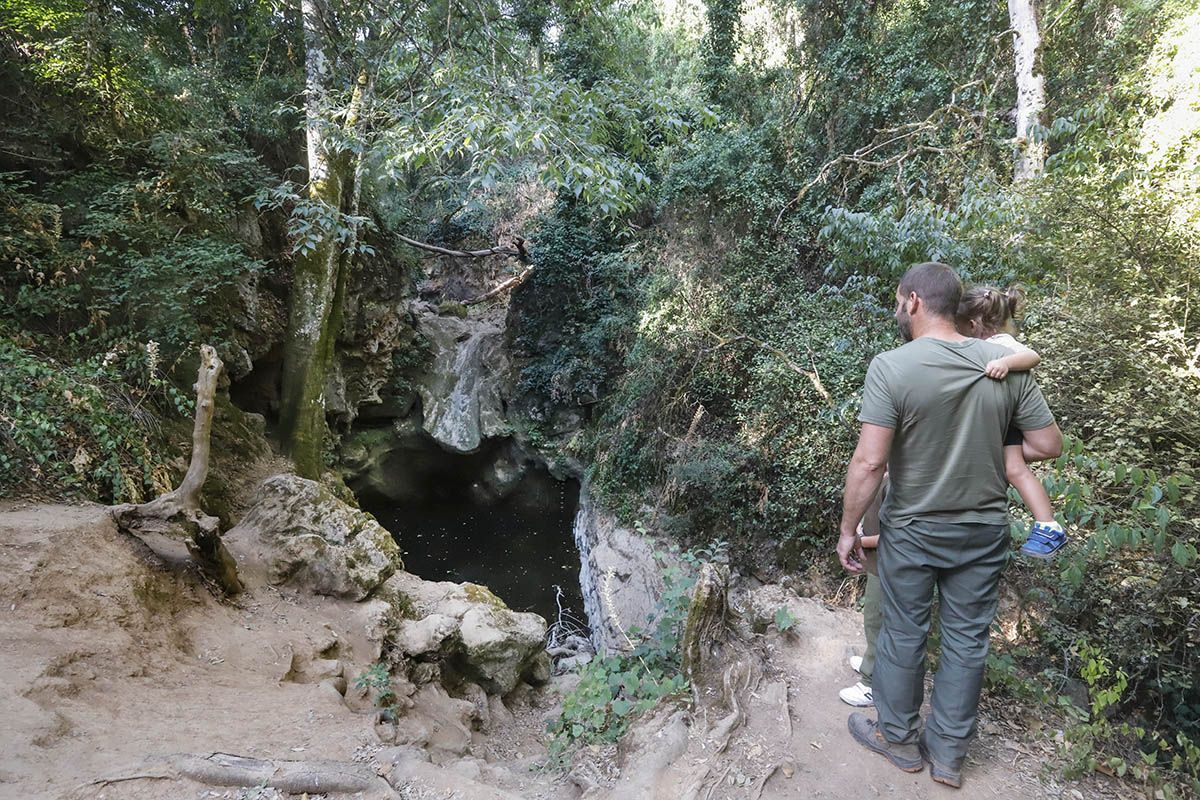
936,422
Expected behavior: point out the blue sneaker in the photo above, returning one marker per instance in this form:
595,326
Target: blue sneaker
1044,540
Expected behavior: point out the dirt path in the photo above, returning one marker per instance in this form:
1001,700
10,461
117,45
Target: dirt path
830,764
109,654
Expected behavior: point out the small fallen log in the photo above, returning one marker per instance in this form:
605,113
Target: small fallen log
226,769
180,508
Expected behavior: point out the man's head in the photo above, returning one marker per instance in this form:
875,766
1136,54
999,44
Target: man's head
928,292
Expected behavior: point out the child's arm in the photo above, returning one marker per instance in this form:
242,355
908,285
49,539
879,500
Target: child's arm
1020,361
868,527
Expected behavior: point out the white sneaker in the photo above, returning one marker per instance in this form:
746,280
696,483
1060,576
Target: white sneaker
856,663
858,695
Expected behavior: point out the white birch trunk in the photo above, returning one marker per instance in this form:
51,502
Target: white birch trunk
1031,89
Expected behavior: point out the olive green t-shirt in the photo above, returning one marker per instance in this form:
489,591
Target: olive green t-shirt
947,458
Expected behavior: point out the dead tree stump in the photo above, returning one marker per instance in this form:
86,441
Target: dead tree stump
179,509
707,621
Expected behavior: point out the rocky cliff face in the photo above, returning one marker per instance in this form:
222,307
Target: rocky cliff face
620,574
465,388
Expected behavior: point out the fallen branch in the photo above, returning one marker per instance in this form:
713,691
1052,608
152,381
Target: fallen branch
505,286
225,769
519,251
180,508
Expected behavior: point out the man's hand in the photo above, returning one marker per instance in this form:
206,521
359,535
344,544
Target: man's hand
849,550
996,369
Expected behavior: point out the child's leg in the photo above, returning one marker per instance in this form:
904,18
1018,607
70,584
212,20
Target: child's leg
872,622
1021,477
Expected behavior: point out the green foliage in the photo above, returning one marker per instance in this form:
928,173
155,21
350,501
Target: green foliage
1171,769
377,679
720,46
614,689
739,394
576,312
142,254
86,430
785,620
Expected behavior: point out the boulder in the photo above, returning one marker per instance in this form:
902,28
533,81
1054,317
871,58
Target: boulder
503,647
311,538
468,632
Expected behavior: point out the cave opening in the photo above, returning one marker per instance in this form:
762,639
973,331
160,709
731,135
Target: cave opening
495,517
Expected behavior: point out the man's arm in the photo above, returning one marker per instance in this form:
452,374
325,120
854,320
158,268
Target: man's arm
863,478
1043,444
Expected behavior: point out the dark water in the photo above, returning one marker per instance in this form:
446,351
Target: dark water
519,547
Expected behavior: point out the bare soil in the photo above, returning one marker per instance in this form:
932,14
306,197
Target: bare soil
112,651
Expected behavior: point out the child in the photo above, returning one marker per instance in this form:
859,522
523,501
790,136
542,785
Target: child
859,694
987,313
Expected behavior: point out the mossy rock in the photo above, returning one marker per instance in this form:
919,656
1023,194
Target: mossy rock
482,594
449,308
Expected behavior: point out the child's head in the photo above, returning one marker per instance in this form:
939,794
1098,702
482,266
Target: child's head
986,311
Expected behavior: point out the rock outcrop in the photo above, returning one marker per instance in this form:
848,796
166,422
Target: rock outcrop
462,391
313,539
450,633
466,634
620,574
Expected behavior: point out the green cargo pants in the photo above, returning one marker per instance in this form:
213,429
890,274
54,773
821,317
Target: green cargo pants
963,561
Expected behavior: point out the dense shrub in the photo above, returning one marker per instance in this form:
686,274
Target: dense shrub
91,429
570,323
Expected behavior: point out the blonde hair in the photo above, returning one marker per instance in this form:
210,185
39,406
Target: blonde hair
994,309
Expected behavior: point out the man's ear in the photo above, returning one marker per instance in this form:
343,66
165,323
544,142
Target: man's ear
912,303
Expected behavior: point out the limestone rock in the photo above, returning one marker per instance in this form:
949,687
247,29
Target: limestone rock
313,539
503,646
468,632
620,575
462,391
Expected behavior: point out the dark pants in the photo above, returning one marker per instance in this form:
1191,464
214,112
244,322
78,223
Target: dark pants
963,561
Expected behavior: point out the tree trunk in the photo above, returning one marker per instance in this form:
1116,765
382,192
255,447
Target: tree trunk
319,280
1031,89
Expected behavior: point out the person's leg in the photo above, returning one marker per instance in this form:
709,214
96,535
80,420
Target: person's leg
968,597
1021,478
906,593
872,622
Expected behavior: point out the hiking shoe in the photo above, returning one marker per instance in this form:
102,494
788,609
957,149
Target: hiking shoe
858,695
1045,539
856,663
940,773
866,732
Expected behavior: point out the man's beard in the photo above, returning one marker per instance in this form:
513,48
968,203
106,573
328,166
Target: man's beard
904,321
